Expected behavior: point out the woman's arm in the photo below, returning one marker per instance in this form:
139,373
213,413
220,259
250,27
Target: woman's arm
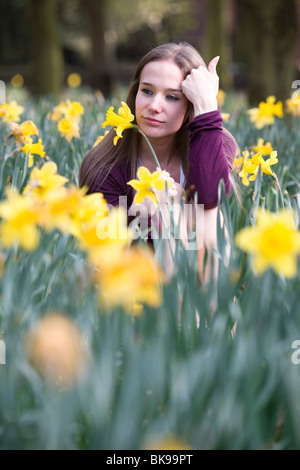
207,158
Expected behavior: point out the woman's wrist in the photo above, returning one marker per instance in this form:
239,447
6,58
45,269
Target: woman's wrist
202,108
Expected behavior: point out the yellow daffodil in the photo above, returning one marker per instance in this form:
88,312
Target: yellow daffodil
147,184
137,309
68,129
23,132
221,97
265,113
54,347
17,80
225,116
273,243
263,148
135,276
292,106
10,112
90,209
120,121
89,206
257,160
44,179
101,137
20,218
60,209
247,168
74,80
237,164
105,233
70,110
74,110
33,149
58,112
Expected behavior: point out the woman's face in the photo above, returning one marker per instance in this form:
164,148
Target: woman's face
160,105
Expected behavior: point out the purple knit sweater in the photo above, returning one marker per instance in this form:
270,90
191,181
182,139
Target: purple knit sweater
207,164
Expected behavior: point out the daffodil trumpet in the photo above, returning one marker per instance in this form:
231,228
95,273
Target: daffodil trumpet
123,120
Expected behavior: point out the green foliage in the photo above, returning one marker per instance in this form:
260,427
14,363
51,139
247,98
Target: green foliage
156,374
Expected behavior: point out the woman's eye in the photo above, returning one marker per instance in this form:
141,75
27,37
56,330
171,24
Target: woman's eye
146,91
172,98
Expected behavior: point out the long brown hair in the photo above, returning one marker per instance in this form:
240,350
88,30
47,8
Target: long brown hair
105,156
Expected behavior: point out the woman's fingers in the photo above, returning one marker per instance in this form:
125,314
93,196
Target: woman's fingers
212,66
201,87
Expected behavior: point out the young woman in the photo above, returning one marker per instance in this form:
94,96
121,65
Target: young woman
173,96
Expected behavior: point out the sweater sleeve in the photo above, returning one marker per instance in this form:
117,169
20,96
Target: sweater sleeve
208,162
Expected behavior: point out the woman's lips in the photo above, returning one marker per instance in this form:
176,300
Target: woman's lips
151,121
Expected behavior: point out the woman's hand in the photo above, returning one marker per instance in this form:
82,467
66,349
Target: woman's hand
201,87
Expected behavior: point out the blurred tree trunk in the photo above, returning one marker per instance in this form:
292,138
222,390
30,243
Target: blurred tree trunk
100,65
48,65
271,38
218,38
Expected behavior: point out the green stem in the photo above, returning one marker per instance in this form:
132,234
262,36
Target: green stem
136,128
165,226
150,146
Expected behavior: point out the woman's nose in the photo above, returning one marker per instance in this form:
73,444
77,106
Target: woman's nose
155,104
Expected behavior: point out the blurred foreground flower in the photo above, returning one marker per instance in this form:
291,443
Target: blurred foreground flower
60,207
54,347
265,113
120,121
44,179
166,442
10,112
127,277
273,243
105,234
20,219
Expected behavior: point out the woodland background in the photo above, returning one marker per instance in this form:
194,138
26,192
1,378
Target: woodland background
102,40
